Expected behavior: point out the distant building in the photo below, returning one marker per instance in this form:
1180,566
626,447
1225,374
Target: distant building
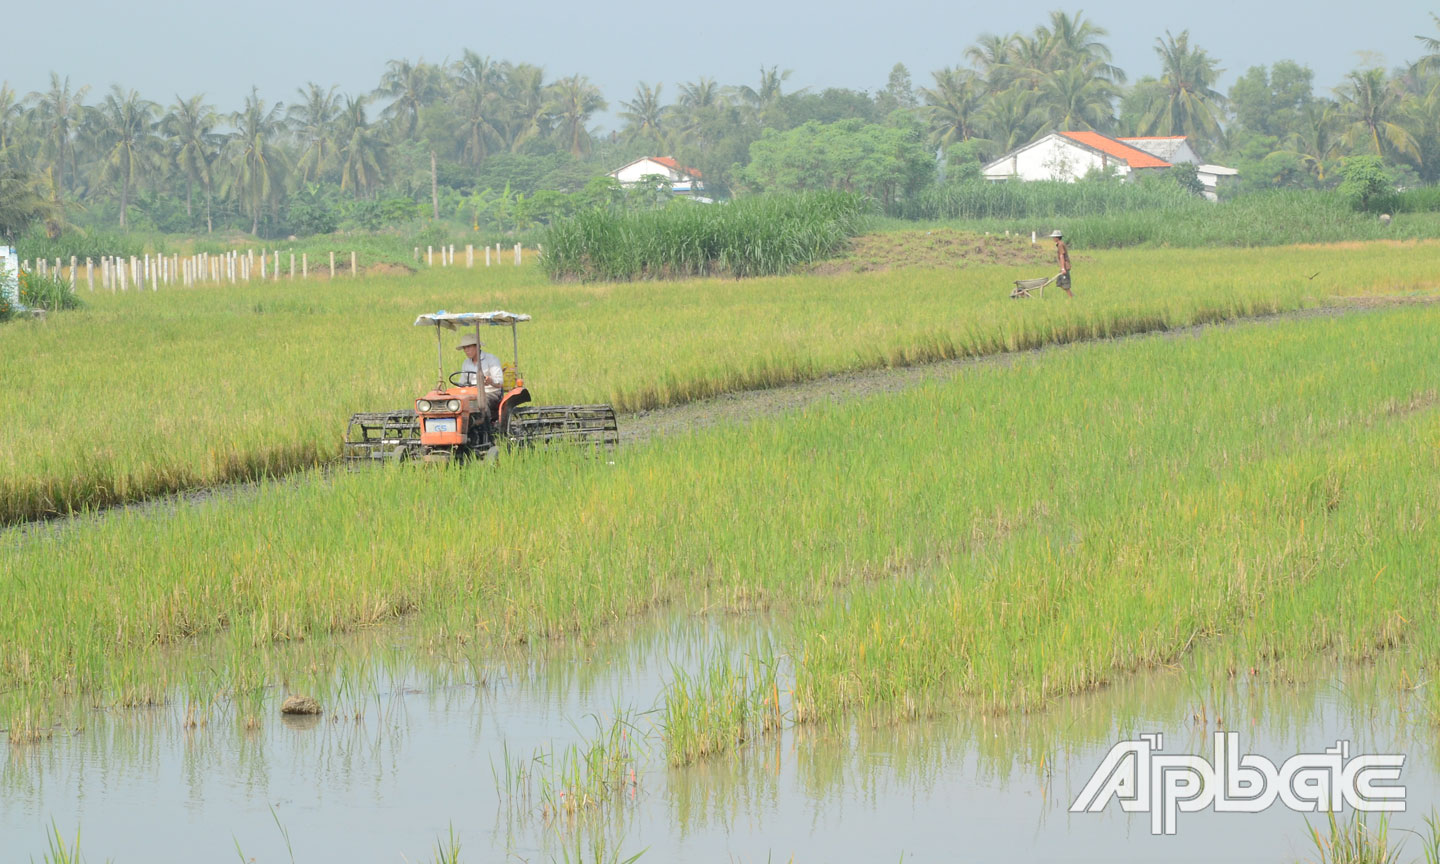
1069,156
683,180
1175,149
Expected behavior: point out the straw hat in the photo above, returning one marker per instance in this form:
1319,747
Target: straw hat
467,340
1056,234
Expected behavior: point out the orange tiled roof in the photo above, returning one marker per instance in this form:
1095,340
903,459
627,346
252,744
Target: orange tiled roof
669,162
1132,156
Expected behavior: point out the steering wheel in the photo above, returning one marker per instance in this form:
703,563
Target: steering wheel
462,379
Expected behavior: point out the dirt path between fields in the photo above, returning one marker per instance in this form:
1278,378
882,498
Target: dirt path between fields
749,405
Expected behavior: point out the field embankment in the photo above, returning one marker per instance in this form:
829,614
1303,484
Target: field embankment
174,390
1023,531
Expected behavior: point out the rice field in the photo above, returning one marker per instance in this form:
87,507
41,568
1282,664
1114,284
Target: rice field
141,393
1018,533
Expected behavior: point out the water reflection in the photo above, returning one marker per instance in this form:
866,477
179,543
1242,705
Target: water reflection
410,748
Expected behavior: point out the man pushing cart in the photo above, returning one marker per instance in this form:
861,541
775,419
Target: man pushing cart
1036,287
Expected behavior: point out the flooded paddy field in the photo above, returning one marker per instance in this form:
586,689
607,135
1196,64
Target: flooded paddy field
912,625
408,754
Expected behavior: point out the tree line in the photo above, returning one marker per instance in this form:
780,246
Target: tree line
483,140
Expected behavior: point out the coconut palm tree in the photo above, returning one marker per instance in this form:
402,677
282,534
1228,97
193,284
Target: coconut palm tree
362,153
525,100
768,93
312,121
1079,98
1010,118
189,127
11,112
1070,42
59,112
25,198
476,96
952,104
572,101
256,158
645,115
129,149
1316,139
993,57
411,86
1431,61
1185,102
1374,114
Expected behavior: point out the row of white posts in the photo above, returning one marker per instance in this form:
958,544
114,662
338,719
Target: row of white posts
118,273
447,255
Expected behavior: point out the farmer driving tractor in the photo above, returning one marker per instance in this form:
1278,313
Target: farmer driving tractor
479,362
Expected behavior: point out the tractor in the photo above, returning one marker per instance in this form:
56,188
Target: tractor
453,422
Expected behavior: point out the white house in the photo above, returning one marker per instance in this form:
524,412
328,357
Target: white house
1069,156
683,180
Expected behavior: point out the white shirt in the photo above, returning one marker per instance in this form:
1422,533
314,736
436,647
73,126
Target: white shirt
490,365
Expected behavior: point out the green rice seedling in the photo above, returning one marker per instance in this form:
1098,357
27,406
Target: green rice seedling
720,706
1355,842
572,787
447,850
59,851
998,540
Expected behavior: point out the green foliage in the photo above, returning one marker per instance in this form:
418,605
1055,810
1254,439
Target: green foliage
314,210
884,162
22,199
50,292
1186,176
1366,185
755,236
36,245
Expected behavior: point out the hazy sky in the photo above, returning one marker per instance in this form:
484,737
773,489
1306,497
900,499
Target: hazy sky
165,47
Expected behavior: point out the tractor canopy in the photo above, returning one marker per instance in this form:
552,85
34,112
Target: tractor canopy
456,320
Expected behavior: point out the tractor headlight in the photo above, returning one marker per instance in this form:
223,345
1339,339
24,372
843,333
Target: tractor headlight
453,404
422,405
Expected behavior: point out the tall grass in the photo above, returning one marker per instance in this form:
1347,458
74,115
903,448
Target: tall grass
760,236
984,200
1113,216
37,245
185,388
1022,532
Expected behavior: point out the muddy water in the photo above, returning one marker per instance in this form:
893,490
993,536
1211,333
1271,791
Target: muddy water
412,753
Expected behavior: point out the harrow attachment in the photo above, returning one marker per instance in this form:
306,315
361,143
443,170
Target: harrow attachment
381,436
591,426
